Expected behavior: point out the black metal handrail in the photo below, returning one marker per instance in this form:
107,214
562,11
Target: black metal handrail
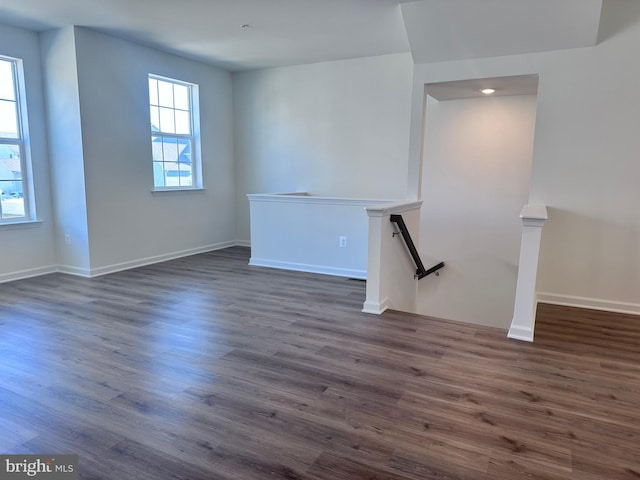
421,272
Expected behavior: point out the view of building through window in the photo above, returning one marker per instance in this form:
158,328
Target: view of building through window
172,133
12,202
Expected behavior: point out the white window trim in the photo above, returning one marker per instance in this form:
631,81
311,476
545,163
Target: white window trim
28,191
196,158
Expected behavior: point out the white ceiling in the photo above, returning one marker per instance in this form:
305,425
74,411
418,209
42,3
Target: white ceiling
503,86
442,30
289,32
282,32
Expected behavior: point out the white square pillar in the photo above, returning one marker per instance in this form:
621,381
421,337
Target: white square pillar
524,313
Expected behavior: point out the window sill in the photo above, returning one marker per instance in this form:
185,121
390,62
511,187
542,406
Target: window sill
177,191
20,224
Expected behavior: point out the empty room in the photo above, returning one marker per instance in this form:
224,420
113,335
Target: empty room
320,240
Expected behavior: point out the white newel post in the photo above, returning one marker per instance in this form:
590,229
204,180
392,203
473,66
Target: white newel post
375,302
524,313
390,271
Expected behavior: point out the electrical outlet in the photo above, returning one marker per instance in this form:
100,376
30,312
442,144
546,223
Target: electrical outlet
342,241
67,239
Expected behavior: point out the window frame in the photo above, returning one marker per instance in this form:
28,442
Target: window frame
22,140
193,139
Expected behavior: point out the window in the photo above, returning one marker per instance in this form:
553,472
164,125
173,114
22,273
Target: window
174,133
14,168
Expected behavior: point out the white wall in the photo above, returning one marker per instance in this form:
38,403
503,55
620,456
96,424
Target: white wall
66,153
302,232
587,168
337,129
585,161
475,180
127,223
29,250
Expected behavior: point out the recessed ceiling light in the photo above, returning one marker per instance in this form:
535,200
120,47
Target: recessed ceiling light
488,91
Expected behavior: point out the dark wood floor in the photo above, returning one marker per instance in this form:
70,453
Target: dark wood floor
206,368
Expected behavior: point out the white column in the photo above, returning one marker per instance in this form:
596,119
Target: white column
390,271
524,313
375,302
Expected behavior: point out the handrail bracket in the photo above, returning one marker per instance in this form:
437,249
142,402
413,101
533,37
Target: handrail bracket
421,272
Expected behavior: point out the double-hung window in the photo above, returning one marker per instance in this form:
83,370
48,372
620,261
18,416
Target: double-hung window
173,108
15,202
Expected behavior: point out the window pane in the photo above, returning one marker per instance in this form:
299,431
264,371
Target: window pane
171,177
167,122
153,91
7,91
185,175
10,167
183,122
8,119
156,148
11,200
165,94
155,119
11,194
185,151
181,96
170,150
158,175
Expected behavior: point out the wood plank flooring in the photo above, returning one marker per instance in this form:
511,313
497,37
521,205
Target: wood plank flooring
206,368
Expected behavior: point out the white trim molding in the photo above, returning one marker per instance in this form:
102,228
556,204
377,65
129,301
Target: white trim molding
521,333
590,303
304,198
390,208
141,262
28,273
303,267
376,308
117,267
76,271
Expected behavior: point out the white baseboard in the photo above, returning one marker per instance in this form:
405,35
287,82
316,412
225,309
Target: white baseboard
78,272
117,267
243,243
519,333
302,267
28,273
591,303
376,308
